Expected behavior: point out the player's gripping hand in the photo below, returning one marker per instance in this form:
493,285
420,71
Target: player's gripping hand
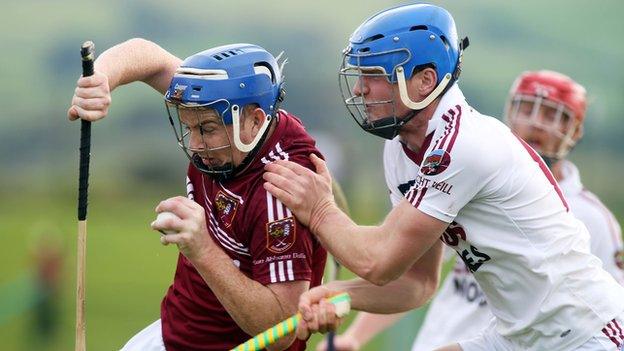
306,193
317,314
91,98
188,230
344,342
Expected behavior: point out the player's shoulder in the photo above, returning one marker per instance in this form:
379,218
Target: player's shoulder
291,142
470,139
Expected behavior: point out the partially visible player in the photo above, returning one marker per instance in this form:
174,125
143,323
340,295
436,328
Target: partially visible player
244,258
473,185
547,109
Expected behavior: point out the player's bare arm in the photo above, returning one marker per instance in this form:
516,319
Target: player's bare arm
133,60
413,289
378,254
253,306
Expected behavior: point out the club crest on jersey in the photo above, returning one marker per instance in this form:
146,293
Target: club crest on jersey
436,162
281,235
226,207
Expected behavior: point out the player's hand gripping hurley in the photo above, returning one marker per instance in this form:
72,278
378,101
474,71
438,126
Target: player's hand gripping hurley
87,51
283,328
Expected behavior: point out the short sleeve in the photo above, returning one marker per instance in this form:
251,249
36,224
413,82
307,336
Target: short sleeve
281,247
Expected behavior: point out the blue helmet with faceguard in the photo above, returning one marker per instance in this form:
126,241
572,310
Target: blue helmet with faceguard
396,43
225,79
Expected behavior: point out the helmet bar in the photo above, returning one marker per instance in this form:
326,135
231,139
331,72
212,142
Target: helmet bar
426,101
236,126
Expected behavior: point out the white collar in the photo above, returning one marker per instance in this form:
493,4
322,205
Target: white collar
571,182
453,96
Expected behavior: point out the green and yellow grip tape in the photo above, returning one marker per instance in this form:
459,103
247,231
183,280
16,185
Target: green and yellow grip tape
285,327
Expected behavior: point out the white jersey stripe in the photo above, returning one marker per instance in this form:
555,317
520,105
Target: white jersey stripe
270,216
289,269
280,209
281,152
272,272
190,190
280,266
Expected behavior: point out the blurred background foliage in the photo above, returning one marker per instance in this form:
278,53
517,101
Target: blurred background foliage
135,162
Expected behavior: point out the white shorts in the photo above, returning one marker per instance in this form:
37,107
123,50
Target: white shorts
611,338
148,339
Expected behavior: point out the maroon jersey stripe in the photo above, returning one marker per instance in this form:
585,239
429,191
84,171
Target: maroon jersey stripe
456,131
546,171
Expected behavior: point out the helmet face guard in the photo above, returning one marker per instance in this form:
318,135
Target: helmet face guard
528,113
393,45
203,137
378,117
547,109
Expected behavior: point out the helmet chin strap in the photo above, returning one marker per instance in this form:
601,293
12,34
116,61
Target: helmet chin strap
426,101
236,126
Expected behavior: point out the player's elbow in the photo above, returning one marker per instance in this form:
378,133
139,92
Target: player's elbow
381,274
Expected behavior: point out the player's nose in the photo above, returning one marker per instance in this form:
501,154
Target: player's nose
360,88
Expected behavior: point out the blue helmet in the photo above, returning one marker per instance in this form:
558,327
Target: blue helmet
225,79
396,43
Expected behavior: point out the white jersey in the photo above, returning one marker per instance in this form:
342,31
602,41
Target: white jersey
460,306
511,226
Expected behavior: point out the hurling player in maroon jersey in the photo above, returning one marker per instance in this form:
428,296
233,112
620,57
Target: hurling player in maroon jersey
245,258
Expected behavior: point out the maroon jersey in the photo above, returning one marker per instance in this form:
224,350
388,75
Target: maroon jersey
261,236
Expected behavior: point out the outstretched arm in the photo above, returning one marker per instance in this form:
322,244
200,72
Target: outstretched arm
413,289
133,60
378,254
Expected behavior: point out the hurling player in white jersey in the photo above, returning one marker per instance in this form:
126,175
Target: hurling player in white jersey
479,188
547,110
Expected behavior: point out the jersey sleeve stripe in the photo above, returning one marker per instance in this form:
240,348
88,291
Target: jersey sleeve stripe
420,197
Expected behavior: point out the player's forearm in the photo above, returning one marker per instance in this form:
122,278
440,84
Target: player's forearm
404,294
253,306
137,60
362,249
366,325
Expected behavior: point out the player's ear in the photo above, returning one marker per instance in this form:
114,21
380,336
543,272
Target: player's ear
254,120
422,83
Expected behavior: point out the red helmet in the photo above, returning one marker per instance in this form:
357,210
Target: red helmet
563,97
553,86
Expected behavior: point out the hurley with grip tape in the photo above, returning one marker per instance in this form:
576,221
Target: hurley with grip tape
87,52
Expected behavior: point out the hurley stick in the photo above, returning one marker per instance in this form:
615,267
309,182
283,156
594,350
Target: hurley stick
283,328
87,52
